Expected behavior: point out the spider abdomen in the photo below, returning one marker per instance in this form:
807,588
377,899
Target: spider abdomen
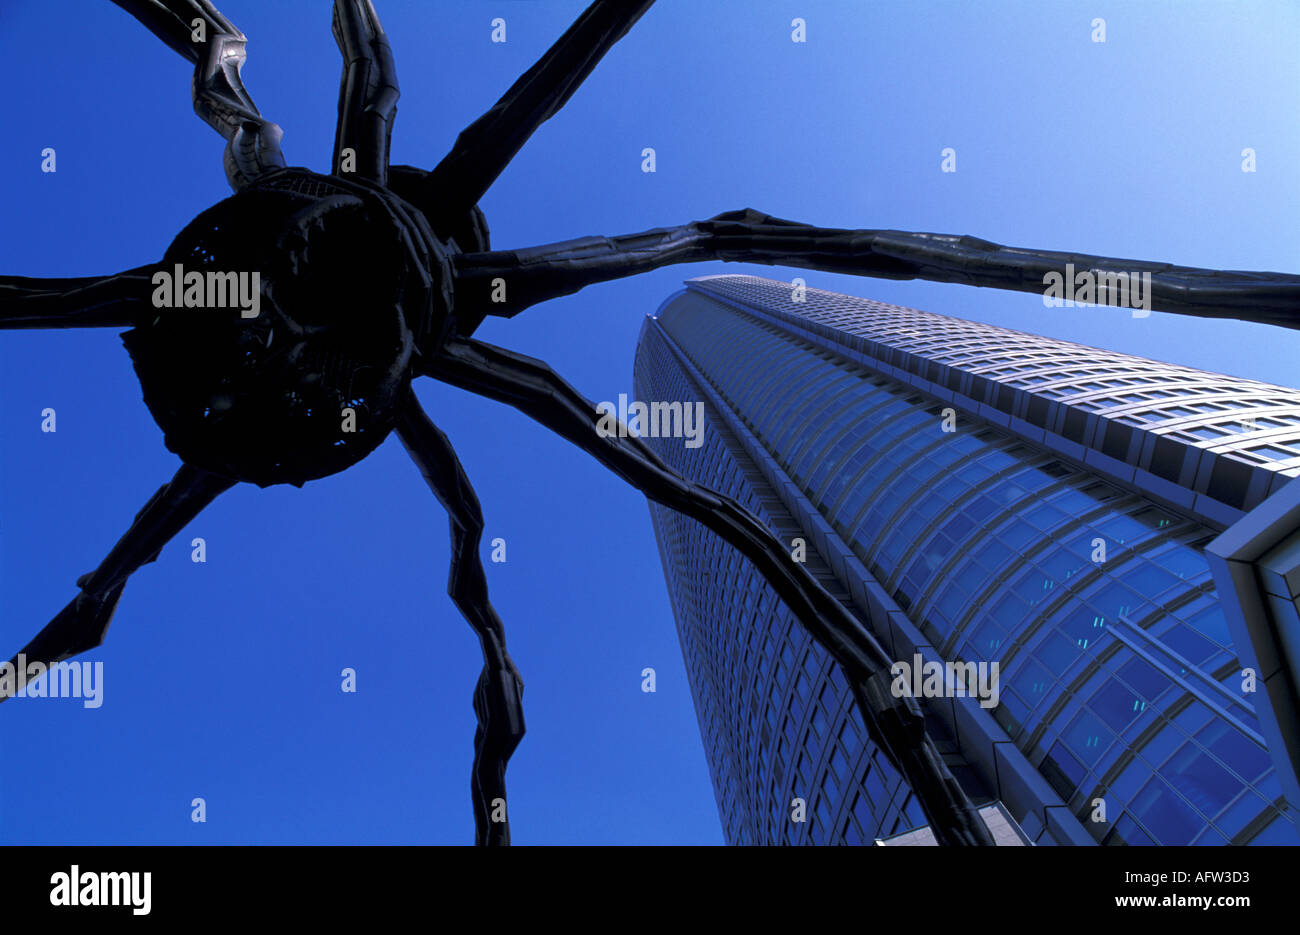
304,379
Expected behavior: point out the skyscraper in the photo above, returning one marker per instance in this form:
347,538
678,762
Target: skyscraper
977,495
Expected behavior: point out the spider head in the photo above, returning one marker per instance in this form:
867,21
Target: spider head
280,345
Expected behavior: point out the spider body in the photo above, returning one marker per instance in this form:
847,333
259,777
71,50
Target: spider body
350,278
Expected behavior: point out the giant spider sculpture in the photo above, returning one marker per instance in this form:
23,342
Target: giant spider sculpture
376,274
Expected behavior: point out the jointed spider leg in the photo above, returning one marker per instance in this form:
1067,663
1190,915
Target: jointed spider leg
486,146
539,273
896,724
252,142
80,302
368,91
81,625
498,696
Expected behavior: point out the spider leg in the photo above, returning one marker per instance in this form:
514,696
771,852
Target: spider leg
368,91
485,147
896,724
252,142
498,696
539,273
81,625
82,302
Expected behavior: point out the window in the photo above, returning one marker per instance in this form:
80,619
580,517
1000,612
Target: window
1087,737
1242,755
1166,814
1116,705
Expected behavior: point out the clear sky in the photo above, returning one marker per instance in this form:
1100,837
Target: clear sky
222,680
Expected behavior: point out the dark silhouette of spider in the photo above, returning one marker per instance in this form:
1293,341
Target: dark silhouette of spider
376,274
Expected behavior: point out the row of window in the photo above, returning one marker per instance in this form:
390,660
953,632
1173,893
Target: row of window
1140,389
753,666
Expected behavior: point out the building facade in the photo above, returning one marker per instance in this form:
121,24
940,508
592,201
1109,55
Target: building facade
981,495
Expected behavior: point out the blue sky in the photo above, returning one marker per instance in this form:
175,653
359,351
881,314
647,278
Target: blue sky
222,679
